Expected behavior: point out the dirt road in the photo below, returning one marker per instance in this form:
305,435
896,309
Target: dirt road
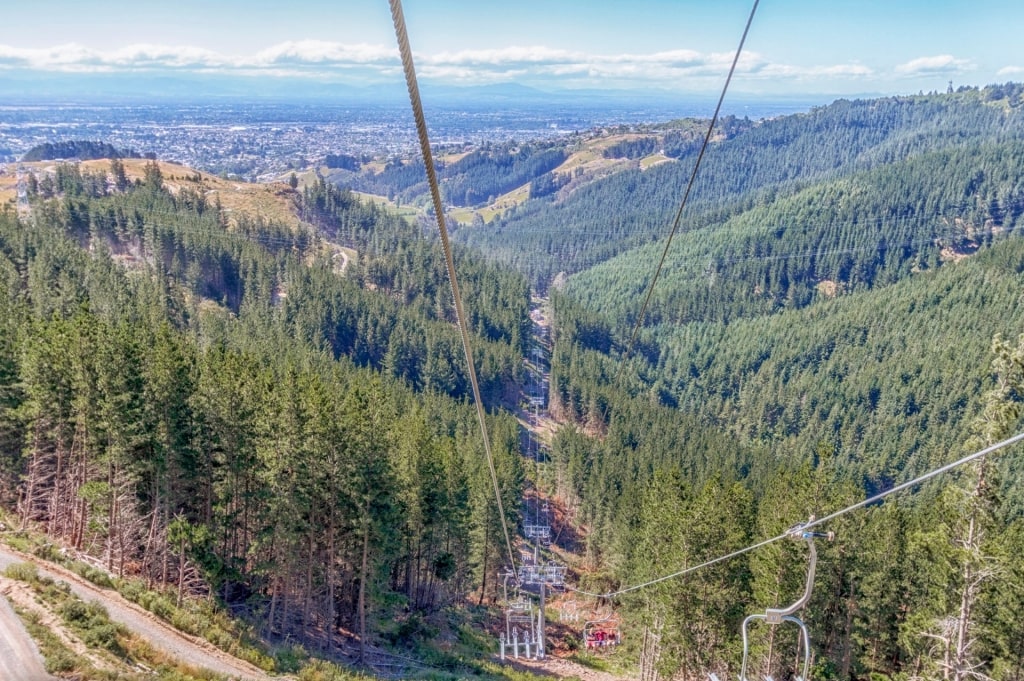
553,666
19,658
186,648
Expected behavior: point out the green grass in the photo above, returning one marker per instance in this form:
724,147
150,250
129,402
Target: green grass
91,624
590,660
197,617
57,657
200,617
319,670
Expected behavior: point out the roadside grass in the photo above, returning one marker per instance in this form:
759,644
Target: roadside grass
57,657
469,653
196,617
130,657
590,660
320,670
201,618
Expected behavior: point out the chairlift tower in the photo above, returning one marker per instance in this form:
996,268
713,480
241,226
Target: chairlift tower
520,628
520,623
550,574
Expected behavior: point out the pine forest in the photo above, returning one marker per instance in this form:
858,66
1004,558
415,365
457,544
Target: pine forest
276,416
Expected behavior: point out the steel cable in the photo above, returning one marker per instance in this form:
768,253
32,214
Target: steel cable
435,194
814,522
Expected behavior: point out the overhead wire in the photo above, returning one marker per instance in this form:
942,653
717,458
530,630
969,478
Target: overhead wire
879,247
686,195
435,194
814,522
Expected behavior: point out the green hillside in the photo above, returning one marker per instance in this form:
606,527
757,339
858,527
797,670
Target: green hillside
823,329
835,237
852,310
757,165
275,417
188,394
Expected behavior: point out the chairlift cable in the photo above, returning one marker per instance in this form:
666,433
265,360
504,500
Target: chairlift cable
686,197
814,522
428,161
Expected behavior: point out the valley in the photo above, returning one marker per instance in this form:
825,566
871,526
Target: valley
249,401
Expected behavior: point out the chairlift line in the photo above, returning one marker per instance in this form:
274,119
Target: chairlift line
520,611
435,193
686,195
810,524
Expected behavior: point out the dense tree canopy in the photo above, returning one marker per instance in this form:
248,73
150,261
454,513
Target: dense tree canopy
183,395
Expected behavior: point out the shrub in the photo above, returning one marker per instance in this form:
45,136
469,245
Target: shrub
23,572
94,575
93,623
48,551
290,658
319,670
133,590
61,661
161,607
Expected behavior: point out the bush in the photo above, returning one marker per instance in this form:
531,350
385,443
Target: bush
19,542
102,635
161,607
290,658
61,661
133,590
186,621
92,621
255,657
58,659
319,670
94,575
55,592
23,572
48,551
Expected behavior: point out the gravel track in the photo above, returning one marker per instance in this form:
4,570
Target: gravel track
19,658
188,649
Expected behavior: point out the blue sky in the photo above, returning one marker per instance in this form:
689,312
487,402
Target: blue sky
796,47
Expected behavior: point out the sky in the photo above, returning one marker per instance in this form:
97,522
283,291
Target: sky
795,47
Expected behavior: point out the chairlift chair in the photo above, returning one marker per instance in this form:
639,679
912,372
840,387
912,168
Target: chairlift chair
569,611
602,633
775,616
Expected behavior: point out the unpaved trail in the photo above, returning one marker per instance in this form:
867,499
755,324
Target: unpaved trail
19,658
560,668
188,649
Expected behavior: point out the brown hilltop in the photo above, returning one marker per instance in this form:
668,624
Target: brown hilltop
273,201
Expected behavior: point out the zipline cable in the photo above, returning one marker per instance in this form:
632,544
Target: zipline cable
813,523
435,193
686,197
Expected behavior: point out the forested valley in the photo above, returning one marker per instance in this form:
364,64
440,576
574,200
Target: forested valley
844,288
225,409
279,418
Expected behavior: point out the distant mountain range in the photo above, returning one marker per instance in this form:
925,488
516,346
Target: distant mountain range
30,88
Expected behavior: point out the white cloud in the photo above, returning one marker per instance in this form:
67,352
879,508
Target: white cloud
535,64
938,65
76,58
142,56
322,52
1010,71
503,56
